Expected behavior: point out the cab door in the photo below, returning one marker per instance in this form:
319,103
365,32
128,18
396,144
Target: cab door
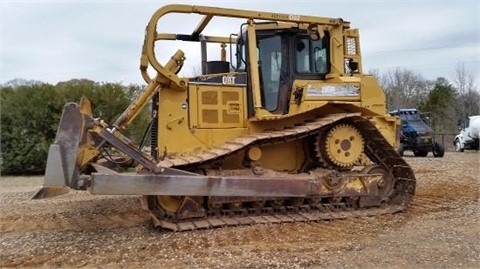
275,82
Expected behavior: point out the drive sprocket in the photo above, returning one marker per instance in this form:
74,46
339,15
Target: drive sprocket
340,147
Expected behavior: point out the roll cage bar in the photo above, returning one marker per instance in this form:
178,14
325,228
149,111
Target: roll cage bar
151,36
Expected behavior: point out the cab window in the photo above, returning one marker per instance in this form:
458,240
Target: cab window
311,56
270,61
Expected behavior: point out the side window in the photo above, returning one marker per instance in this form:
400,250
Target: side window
311,56
276,62
303,55
320,55
270,60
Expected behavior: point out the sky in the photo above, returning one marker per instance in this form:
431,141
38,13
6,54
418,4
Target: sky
53,41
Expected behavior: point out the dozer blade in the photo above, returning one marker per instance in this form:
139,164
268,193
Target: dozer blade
55,182
62,171
47,192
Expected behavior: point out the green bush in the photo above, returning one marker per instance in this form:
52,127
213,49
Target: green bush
30,116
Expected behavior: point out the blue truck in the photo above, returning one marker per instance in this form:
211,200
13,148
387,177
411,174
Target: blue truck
416,134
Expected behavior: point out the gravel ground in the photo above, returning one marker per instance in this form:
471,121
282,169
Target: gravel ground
78,230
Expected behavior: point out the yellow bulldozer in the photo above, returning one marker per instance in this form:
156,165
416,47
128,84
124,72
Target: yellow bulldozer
288,128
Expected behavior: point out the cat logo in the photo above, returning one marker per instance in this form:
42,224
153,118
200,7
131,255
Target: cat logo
228,80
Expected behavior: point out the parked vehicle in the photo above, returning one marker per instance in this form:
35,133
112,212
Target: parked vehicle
468,138
416,134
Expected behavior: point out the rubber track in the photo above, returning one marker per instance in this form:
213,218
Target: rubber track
376,148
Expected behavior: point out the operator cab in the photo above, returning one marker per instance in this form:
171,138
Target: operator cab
283,55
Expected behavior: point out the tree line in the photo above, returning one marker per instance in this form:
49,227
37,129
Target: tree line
30,110
445,102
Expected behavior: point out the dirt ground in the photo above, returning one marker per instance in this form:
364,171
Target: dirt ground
441,229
